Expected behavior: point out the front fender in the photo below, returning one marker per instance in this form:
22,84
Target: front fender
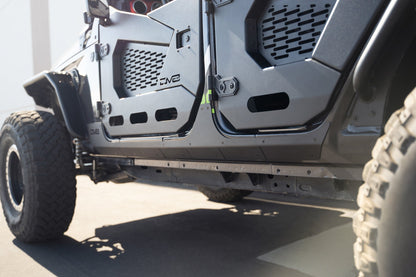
57,90
384,52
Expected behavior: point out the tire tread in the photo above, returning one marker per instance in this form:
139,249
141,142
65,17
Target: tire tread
400,133
51,194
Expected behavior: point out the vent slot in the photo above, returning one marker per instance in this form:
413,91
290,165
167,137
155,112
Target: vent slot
288,30
166,114
116,120
137,118
269,102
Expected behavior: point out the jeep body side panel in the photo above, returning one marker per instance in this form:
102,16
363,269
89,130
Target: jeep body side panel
208,141
153,70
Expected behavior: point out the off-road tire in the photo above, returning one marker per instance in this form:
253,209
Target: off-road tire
385,224
223,195
37,148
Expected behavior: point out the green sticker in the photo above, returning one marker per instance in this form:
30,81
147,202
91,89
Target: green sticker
205,98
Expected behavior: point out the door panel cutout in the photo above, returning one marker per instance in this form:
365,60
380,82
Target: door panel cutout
116,120
269,102
136,118
166,114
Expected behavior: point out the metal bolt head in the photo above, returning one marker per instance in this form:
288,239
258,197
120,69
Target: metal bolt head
232,86
222,87
187,38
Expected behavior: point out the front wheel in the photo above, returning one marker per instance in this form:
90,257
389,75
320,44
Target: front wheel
37,176
385,223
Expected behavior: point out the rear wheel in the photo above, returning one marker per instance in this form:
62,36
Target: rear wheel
385,223
37,176
223,194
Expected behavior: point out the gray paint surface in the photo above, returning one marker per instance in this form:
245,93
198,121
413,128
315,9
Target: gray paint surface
183,61
308,84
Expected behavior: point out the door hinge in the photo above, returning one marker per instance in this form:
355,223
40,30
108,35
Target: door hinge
219,3
212,4
101,50
226,86
103,108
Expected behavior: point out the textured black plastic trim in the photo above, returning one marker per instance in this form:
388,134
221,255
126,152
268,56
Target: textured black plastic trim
57,91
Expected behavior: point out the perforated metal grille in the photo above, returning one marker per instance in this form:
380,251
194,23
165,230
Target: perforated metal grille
140,68
289,30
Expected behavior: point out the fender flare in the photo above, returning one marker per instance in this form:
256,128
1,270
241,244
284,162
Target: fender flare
56,90
384,51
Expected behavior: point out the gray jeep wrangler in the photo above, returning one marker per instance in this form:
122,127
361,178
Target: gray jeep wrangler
280,96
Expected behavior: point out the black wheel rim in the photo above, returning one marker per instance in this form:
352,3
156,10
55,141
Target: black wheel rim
14,177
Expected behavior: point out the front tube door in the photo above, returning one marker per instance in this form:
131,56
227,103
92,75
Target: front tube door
151,70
